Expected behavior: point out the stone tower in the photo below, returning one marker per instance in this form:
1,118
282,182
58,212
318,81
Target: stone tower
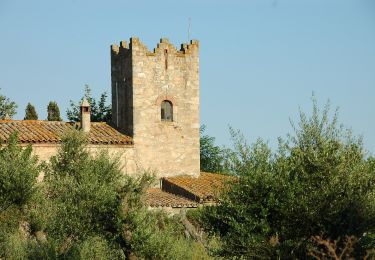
155,100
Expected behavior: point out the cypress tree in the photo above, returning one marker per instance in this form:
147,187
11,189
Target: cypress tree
53,112
30,113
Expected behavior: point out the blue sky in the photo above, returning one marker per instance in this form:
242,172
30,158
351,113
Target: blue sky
260,59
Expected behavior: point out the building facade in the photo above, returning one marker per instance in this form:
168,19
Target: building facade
155,100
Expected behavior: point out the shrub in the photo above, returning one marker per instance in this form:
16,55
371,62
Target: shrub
18,172
93,205
97,248
317,182
84,193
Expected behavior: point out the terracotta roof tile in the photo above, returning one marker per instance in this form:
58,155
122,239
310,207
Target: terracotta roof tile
39,131
205,188
157,198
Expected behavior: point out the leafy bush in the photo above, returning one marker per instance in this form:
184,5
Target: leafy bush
97,248
85,208
84,193
318,182
92,204
15,246
154,235
18,172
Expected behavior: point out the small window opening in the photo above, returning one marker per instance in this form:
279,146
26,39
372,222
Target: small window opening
166,111
85,109
166,58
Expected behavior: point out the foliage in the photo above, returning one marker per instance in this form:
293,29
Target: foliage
95,248
84,194
15,246
53,112
94,205
84,209
317,182
18,172
7,107
211,156
153,234
100,111
30,112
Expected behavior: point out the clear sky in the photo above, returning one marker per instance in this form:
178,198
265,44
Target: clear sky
260,59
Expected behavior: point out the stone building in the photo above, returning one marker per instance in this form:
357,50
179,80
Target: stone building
155,110
155,100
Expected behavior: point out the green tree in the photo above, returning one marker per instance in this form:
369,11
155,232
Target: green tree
318,182
7,107
85,208
100,111
18,188
18,172
84,192
53,112
30,112
93,205
211,156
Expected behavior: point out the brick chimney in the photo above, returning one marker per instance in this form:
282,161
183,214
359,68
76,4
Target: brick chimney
85,115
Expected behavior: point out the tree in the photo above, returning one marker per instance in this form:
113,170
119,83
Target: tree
53,112
318,183
18,172
7,107
84,191
18,189
211,156
100,111
30,113
95,209
85,208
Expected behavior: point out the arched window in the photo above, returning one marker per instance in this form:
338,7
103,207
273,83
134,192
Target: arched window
166,111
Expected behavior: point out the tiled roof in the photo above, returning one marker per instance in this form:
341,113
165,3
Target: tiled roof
39,131
157,198
205,188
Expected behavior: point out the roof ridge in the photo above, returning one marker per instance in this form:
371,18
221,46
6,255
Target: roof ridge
31,121
44,131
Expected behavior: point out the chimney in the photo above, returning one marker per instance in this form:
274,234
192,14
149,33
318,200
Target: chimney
85,115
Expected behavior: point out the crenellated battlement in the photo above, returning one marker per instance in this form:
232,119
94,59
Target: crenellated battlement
164,44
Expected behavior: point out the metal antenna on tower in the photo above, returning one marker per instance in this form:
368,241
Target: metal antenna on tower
189,30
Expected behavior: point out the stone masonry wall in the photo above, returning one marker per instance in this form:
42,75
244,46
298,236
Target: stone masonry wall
169,148
126,153
122,92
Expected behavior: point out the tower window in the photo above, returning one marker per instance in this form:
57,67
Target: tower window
166,111
166,59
